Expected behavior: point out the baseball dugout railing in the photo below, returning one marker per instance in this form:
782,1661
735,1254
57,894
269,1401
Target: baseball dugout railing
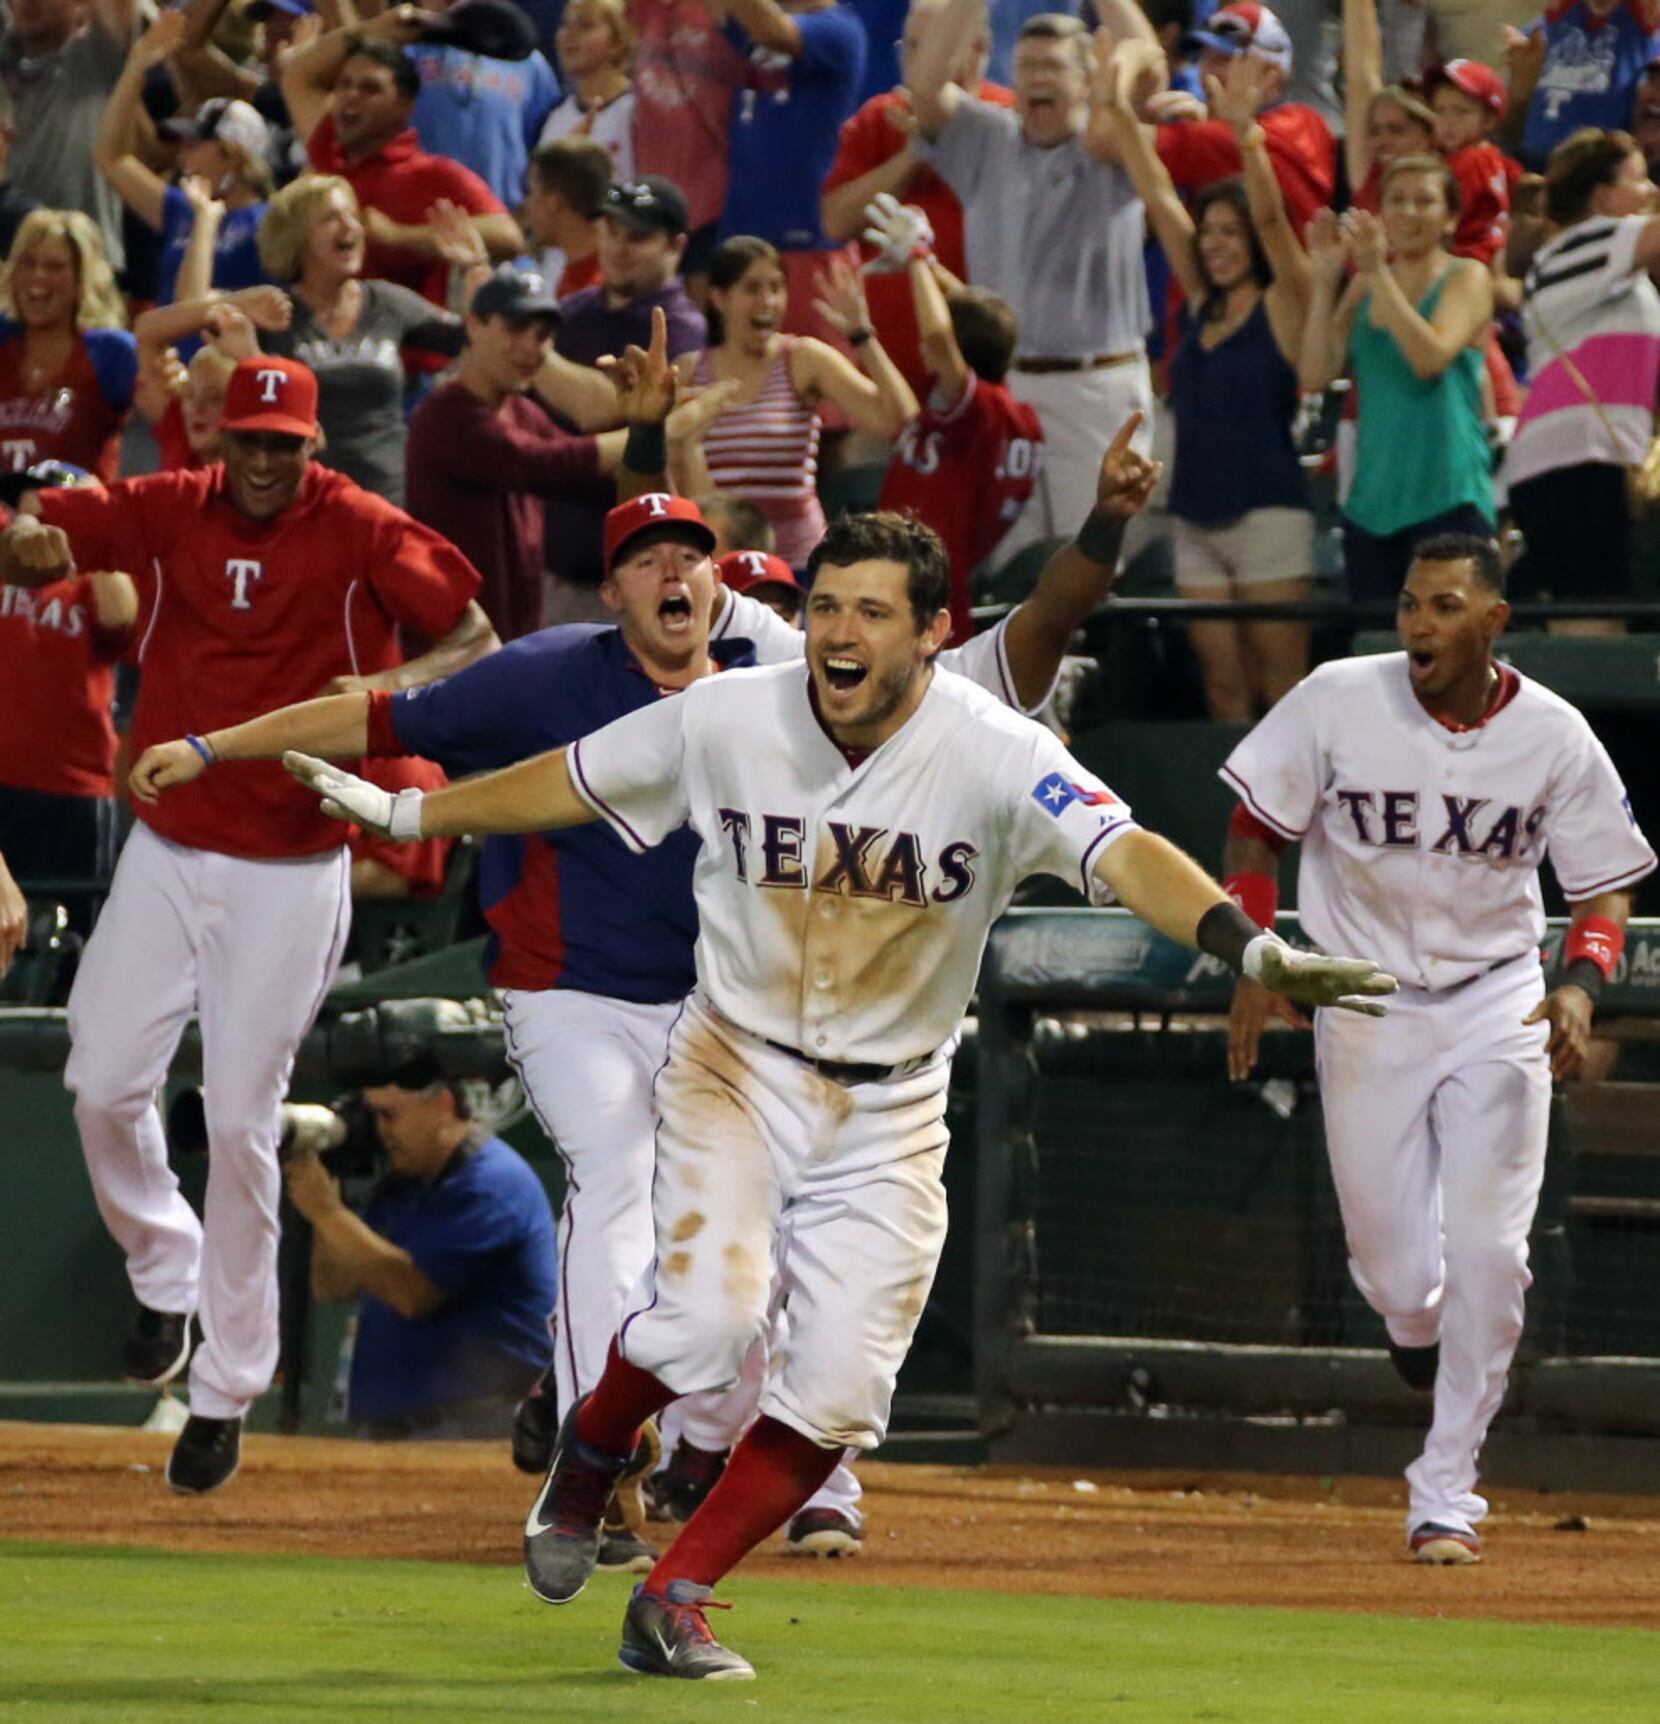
1154,1244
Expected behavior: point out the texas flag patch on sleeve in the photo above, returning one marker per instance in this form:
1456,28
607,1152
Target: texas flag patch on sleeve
1057,792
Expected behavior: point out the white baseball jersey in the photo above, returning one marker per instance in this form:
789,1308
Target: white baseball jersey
1422,843
843,909
983,659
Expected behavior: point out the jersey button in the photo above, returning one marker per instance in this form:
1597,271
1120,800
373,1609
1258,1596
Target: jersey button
819,1041
821,979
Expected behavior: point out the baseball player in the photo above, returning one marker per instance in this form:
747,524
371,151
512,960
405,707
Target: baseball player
592,945
255,582
1426,787
848,873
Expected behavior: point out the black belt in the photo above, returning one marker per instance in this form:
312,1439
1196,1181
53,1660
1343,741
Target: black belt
840,1071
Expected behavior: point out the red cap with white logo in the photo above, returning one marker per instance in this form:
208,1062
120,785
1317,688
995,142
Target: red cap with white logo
267,393
640,515
741,570
1480,83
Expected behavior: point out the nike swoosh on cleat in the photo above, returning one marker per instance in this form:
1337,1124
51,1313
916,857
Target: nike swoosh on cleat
534,1524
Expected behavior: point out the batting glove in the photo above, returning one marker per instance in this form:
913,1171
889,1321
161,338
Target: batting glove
393,814
899,233
1312,979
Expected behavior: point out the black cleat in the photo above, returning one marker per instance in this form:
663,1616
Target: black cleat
824,1532
667,1634
1416,1366
677,1492
536,1427
565,1525
206,1455
157,1347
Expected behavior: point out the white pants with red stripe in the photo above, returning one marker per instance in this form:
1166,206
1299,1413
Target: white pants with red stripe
588,1064
249,948
1436,1119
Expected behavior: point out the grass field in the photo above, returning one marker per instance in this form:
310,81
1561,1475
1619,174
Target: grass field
104,1636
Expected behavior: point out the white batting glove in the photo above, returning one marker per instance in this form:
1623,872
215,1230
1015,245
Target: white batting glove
393,814
899,233
1312,979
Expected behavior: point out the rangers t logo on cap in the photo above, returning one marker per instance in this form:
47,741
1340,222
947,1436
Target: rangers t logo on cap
655,509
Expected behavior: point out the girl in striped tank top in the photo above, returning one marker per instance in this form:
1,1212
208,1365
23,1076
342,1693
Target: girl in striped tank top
764,444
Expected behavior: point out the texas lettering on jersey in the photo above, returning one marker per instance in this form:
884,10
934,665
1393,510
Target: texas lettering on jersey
863,861
1472,826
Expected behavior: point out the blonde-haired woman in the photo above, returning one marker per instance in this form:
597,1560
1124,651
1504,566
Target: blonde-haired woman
67,367
351,332
595,45
225,144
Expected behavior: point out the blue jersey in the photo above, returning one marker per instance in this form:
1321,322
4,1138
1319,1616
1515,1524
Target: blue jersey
486,114
482,1233
1590,73
235,251
570,909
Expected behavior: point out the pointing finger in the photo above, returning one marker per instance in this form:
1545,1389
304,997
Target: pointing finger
1121,442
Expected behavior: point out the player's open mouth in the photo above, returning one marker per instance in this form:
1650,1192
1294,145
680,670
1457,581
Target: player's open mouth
675,611
844,674
1420,659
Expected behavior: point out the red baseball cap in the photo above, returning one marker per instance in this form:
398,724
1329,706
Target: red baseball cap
268,393
741,570
1246,27
1480,83
640,515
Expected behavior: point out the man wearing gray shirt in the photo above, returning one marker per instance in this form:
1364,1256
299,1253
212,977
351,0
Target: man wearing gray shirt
1052,223
60,60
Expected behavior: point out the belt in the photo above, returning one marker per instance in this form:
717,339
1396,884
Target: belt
846,1072
1095,362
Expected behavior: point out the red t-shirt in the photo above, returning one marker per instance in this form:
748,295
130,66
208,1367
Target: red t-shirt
584,272
686,69
173,443
1486,176
56,684
424,862
77,416
238,617
1300,146
967,472
403,181
868,139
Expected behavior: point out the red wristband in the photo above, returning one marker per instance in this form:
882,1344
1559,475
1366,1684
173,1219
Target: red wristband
1257,895
1598,940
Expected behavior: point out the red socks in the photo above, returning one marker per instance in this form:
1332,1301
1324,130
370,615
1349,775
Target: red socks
623,1399
772,1473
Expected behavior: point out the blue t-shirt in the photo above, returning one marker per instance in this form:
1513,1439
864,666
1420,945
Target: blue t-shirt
485,114
235,251
482,1234
1589,77
574,908
785,119
884,22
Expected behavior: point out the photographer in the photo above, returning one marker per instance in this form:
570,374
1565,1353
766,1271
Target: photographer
451,1262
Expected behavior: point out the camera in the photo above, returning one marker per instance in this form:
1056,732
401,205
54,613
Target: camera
342,1135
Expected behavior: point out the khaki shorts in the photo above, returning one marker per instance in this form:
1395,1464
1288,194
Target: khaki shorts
1263,545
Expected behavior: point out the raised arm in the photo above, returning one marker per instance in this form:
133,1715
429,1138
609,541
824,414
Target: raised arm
842,208
1362,79
1134,150
141,188
1079,575
934,93
874,394
536,795
1429,344
940,352
309,73
767,24
1331,308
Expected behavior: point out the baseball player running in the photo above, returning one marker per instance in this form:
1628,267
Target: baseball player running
1427,786
253,582
591,943
850,868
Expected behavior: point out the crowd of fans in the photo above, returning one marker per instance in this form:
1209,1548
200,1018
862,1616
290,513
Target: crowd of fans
962,243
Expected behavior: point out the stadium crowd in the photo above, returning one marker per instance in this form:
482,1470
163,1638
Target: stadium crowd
1369,274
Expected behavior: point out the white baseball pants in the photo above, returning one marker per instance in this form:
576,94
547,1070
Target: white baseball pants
588,1063
1081,412
1435,1122
762,1160
250,948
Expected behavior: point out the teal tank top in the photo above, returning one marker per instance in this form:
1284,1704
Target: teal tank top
1421,448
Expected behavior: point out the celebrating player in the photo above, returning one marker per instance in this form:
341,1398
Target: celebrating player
1426,787
253,582
848,875
592,944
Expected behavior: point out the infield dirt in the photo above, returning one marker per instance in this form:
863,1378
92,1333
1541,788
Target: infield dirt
1222,1539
